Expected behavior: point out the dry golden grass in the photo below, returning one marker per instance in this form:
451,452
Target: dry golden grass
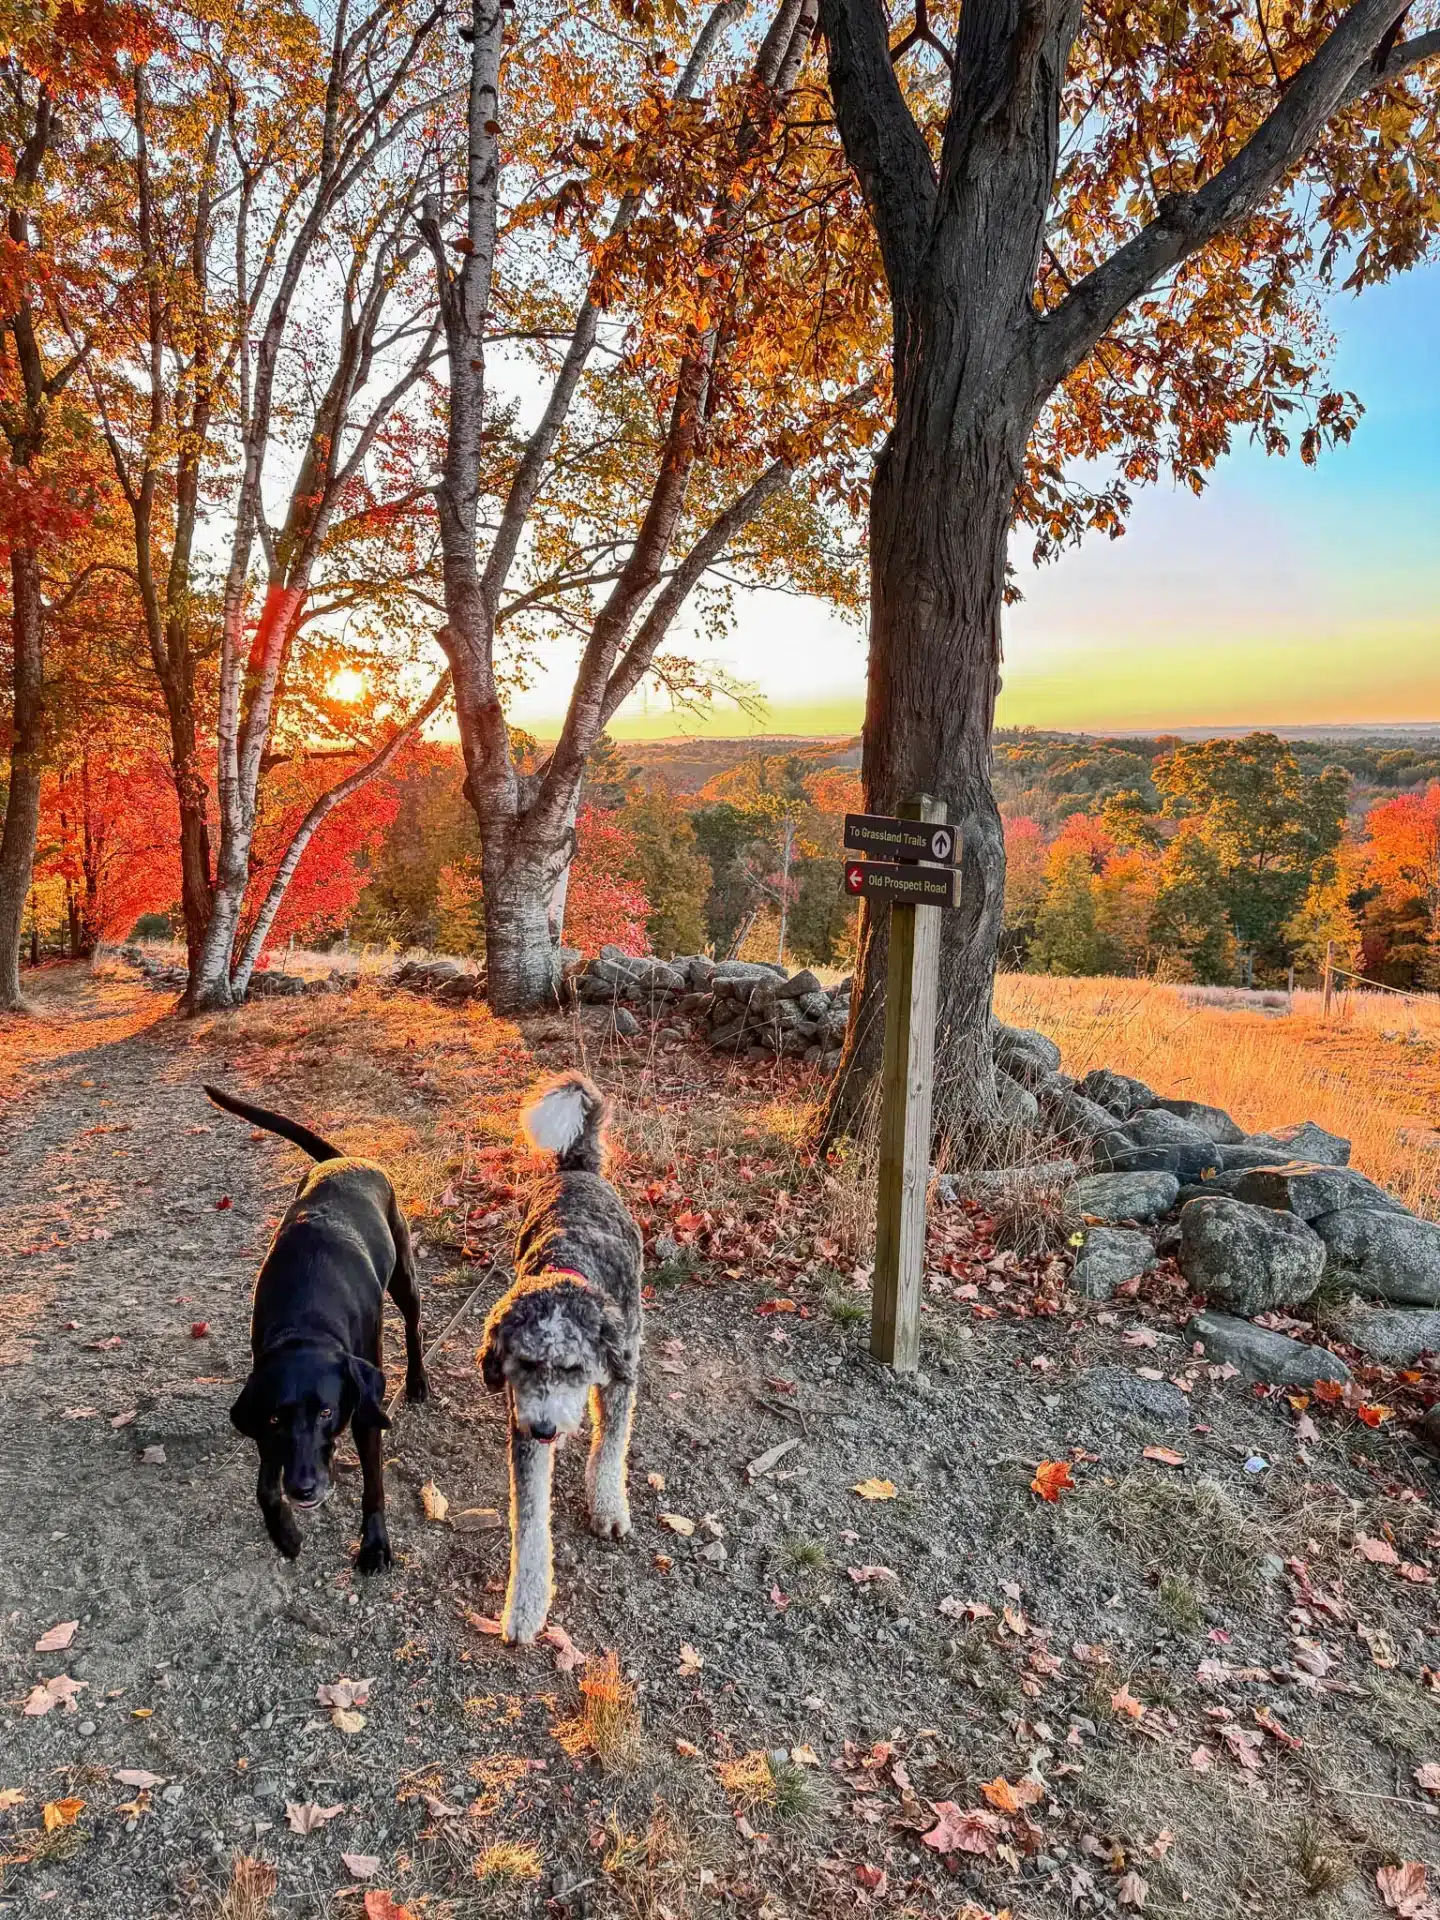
252,1887
1372,1073
608,1723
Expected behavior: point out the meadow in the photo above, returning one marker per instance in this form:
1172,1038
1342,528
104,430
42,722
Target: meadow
1370,1072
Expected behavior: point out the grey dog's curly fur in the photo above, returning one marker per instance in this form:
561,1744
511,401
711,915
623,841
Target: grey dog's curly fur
568,1331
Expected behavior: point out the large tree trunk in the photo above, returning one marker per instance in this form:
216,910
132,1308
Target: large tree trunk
522,962
22,802
939,528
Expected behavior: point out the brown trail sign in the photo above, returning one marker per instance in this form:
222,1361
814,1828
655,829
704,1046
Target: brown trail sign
907,1072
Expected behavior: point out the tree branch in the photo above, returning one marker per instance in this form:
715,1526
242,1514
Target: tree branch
1333,78
882,142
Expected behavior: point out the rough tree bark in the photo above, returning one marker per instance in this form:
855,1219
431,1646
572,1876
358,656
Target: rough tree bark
526,821
975,362
22,799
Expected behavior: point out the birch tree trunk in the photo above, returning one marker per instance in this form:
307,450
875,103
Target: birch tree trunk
22,800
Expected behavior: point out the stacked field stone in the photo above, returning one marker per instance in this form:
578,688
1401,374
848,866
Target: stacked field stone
753,1009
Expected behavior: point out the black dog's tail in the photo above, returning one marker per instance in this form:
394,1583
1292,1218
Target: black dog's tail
312,1144
566,1117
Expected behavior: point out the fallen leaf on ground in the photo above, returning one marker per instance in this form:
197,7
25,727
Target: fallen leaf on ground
1132,1890
433,1501
690,1661
954,1609
1052,1478
125,1419
153,1457
60,1689
1167,1456
364,1866
344,1693
1123,1701
874,1879
346,1720
62,1813
1404,1890
771,1457
862,1576
874,1489
384,1906
56,1639
1380,1551
224,1203
1428,1776
962,1829
1202,1759
10,1797
139,1778
567,1655
1244,1746
687,1749
1011,1796
440,1809
656,1481
79,1413
678,1523
199,1329
306,1817
477,1520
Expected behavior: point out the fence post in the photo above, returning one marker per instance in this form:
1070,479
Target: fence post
906,1087
1328,990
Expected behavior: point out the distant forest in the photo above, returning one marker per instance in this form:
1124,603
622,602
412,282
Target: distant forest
1227,860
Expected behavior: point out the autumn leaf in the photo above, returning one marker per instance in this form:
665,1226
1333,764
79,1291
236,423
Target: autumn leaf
1052,1478
1428,1776
306,1817
1380,1551
61,1813
690,1661
1132,1890
346,1720
678,1523
862,1576
1403,1889
56,1639
1123,1701
1202,1759
11,1797
1011,1798
344,1693
152,1456
962,1829
1167,1456
60,1690
139,1778
1371,1414
875,1489
433,1501
199,1329
567,1655
364,1866
384,1906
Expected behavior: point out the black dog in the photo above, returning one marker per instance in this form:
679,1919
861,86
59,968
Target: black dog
316,1335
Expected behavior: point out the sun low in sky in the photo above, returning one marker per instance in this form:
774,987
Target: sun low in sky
1284,595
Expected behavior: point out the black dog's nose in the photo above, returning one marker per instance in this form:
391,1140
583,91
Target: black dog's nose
542,1433
303,1491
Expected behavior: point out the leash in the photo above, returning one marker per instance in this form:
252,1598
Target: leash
436,1344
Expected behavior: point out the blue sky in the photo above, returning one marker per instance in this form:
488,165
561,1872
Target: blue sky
1284,594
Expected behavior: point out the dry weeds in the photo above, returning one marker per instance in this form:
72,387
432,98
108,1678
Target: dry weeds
253,1884
608,1723
1372,1073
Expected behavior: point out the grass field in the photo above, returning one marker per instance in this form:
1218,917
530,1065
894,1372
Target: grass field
1372,1072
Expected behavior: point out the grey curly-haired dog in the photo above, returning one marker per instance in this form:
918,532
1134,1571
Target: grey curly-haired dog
567,1332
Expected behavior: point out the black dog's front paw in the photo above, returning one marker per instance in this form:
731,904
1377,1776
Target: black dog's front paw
374,1555
417,1387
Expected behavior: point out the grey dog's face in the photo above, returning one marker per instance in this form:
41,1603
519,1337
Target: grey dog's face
550,1364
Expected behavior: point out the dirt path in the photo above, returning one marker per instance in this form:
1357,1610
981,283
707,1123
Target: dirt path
904,1652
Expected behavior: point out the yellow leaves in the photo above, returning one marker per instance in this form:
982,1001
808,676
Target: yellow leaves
875,1489
61,1813
434,1502
1010,1797
1123,1701
678,1523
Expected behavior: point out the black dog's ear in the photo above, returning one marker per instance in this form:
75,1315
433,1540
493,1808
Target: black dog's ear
369,1383
615,1348
492,1353
248,1414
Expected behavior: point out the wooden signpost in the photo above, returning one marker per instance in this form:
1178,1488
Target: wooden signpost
915,894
